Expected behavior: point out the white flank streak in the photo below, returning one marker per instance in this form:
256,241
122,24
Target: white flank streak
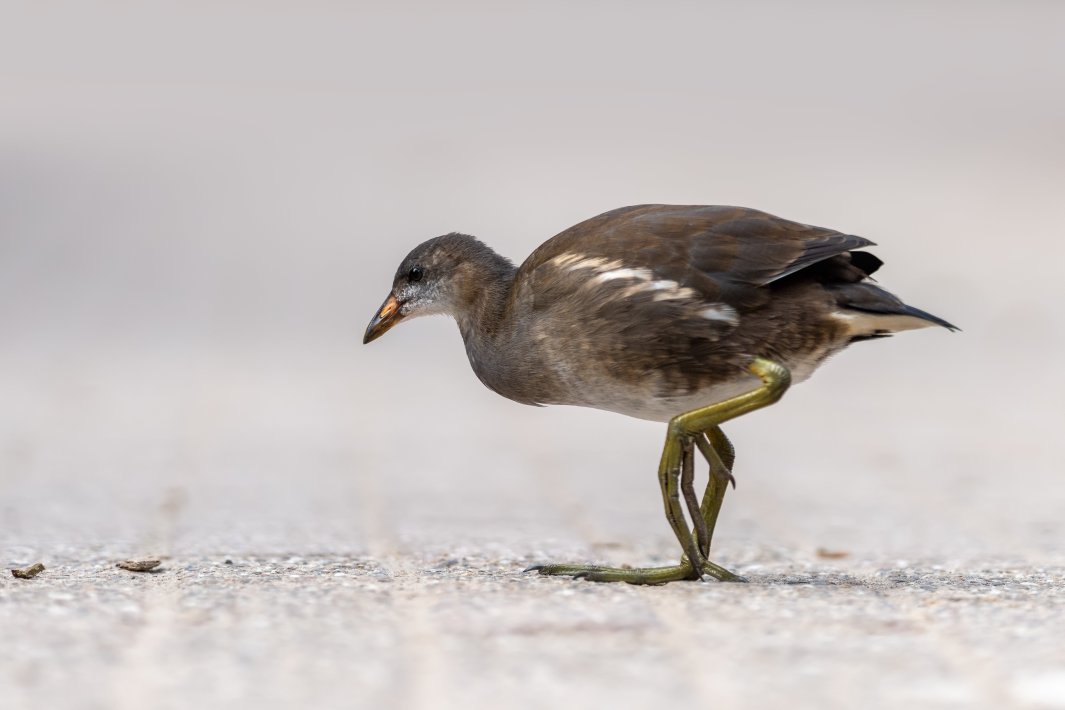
574,262
664,285
721,312
676,293
611,270
597,264
563,260
633,290
641,274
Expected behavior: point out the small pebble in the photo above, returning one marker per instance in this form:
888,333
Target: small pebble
28,572
138,565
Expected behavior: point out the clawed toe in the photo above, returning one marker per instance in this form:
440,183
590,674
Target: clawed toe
721,574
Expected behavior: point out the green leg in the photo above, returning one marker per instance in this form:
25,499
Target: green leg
669,473
700,532
693,426
719,453
725,450
720,477
704,516
726,454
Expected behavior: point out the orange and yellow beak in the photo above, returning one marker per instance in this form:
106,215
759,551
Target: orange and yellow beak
386,317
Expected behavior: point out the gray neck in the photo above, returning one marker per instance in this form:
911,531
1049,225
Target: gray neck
495,334
484,295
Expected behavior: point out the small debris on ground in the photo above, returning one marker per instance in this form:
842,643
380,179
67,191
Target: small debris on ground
826,554
138,565
28,572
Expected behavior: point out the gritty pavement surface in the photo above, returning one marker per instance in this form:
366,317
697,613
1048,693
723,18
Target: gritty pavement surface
315,555
474,631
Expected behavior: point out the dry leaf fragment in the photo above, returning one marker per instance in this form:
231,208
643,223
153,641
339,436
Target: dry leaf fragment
28,572
138,565
826,554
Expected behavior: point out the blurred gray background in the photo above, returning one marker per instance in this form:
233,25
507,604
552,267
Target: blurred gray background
202,204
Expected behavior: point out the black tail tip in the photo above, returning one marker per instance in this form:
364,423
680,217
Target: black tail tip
924,315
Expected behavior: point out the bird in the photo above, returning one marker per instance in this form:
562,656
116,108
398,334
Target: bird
687,315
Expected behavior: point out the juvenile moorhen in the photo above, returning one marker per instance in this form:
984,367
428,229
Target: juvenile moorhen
691,315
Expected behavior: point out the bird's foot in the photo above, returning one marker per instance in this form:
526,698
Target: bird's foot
712,569
638,575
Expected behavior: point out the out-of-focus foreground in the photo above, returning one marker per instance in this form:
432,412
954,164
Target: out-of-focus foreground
201,206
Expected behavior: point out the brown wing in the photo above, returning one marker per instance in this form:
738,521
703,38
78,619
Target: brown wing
714,250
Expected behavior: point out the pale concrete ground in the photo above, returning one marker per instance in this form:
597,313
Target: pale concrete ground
201,206
319,557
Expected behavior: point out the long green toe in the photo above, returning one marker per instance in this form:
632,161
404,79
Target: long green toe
637,575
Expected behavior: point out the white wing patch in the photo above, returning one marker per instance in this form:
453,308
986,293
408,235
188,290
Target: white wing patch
645,280
575,262
675,292
641,274
722,312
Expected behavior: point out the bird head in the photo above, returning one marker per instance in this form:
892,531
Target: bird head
439,276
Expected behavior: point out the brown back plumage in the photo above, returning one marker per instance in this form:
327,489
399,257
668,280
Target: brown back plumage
713,249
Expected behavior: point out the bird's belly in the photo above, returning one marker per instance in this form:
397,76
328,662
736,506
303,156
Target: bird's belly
656,407
648,399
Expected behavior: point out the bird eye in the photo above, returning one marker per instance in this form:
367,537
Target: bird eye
415,273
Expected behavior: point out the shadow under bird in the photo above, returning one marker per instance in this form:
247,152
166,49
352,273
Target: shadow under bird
689,315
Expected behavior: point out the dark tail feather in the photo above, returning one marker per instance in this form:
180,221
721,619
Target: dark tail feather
866,262
924,315
870,298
